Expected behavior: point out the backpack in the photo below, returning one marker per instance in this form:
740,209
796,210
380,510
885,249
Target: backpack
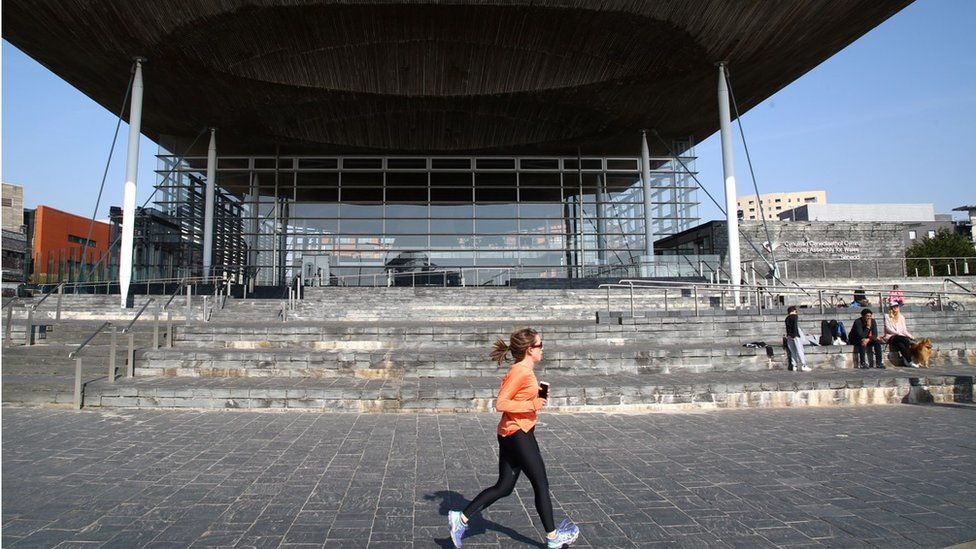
826,333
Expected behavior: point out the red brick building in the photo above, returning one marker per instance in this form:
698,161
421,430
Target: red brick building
58,241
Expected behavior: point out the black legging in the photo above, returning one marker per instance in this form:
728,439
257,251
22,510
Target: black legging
516,453
901,344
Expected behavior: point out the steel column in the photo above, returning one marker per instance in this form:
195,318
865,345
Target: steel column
208,206
648,217
129,191
728,171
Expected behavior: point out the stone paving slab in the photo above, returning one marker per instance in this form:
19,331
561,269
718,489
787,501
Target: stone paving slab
892,476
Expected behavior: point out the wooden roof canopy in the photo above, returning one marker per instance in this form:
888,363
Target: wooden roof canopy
451,77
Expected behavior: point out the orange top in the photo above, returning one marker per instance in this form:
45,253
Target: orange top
518,399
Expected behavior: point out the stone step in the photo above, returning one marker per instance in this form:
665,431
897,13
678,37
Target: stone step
472,361
569,393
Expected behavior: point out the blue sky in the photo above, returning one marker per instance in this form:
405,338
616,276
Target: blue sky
891,118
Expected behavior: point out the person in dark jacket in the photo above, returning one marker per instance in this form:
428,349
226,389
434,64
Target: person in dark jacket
866,339
794,340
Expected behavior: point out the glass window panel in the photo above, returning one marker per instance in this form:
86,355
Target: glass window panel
451,179
406,194
539,163
452,226
224,163
496,226
406,210
406,179
317,195
546,210
623,164
543,226
482,194
495,163
494,241
362,163
451,241
362,179
448,194
269,163
588,164
548,180
360,211
495,180
362,195
444,211
407,164
318,163
496,210
311,209
410,241
450,163
406,226
362,226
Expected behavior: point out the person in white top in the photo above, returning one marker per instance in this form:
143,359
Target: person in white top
897,335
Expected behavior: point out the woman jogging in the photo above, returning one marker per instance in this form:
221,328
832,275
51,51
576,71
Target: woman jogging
518,400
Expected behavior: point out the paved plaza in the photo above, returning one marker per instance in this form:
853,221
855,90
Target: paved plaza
871,476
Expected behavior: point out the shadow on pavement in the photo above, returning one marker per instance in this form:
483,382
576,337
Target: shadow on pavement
453,500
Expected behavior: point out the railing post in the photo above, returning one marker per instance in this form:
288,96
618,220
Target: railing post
941,306
413,279
721,298
78,401
111,354
7,328
823,266
695,292
820,299
57,315
608,299
130,357
29,333
881,304
156,328
929,262
665,300
877,267
631,300
189,294
758,300
169,329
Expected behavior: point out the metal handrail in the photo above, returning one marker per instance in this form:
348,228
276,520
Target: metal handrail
104,325
967,290
173,295
138,314
46,295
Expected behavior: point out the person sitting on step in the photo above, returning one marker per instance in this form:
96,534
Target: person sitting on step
897,336
865,338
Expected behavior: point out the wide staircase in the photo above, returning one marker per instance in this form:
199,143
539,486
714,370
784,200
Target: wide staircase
425,349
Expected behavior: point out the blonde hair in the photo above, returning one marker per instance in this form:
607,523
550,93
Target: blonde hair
518,344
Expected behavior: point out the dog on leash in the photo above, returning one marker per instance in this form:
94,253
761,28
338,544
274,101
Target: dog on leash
921,352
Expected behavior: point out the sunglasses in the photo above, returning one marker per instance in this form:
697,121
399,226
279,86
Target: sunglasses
537,346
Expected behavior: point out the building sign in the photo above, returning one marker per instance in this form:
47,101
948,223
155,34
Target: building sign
825,249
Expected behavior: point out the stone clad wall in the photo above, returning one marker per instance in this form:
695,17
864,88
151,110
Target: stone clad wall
825,248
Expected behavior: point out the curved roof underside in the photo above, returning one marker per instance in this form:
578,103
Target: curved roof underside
462,76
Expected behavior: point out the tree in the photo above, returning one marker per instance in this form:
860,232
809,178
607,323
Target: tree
922,254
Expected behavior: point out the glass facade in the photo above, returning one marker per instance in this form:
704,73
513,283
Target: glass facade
358,218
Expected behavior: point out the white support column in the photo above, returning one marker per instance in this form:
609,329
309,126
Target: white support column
254,199
601,219
208,208
129,190
648,260
728,170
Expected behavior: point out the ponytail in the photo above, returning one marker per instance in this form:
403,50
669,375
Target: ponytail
498,351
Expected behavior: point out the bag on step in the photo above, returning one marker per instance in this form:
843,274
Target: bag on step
826,335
